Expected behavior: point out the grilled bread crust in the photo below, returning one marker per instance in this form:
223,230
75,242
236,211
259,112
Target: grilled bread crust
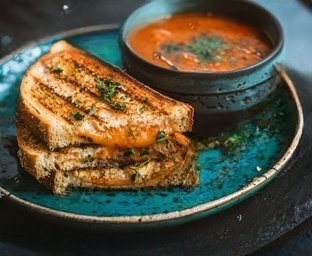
72,167
64,99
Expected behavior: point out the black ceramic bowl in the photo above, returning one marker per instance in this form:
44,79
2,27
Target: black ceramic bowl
217,97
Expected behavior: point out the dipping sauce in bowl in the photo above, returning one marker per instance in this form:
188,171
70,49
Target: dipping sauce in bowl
200,42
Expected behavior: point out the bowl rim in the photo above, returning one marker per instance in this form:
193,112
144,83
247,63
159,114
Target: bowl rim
273,53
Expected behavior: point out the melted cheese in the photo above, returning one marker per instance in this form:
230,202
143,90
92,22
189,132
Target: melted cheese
123,137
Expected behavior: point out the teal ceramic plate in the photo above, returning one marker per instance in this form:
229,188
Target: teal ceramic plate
232,165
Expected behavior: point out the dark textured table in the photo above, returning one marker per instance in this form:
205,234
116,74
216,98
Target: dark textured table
275,221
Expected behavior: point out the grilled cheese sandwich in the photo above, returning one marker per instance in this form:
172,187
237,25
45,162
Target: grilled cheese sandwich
67,85
84,123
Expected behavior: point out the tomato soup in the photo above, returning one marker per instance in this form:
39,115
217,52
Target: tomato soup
200,42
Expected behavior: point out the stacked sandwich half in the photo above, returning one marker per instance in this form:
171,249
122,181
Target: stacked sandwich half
84,123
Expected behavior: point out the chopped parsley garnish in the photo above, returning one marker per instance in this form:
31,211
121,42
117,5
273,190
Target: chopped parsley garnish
130,131
109,90
143,108
77,101
205,48
161,137
144,152
77,115
57,69
117,106
172,48
92,109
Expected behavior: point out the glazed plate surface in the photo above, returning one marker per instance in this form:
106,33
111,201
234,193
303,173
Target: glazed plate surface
233,164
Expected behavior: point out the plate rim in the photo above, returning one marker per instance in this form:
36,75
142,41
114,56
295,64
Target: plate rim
179,215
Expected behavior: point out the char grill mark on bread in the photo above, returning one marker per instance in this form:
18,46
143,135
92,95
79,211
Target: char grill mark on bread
73,75
84,123
145,111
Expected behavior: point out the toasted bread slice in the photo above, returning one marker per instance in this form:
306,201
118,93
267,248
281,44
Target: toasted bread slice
149,176
70,97
153,174
95,166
